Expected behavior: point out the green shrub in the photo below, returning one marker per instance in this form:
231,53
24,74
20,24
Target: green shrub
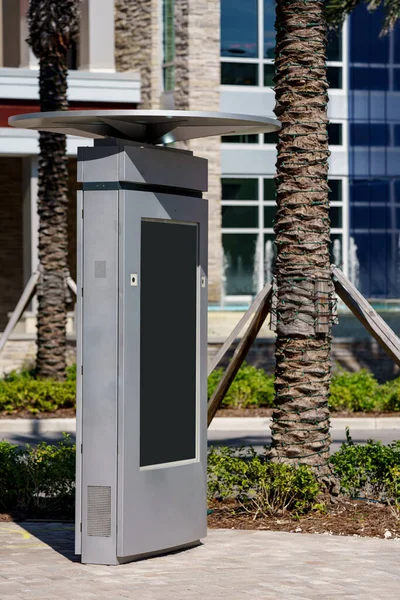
38,480
260,486
19,391
371,470
71,372
251,387
354,392
390,400
10,459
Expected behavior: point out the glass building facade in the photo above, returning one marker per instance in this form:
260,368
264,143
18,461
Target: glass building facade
374,155
248,162
364,137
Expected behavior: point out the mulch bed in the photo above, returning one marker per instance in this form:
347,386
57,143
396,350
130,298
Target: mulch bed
61,413
64,413
5,518
345,517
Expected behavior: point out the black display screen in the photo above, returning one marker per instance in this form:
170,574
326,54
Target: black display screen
168,342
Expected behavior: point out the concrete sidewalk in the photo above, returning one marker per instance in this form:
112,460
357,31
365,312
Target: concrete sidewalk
41,426
36,561
262,423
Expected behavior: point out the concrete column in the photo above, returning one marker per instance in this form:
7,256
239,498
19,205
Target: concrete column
197,83
96,36
30,218
138,45
27,59
15,50
138,37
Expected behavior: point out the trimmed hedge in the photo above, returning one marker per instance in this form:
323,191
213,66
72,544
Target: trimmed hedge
352,392
251,388
260,486
22,391
369,471
40,481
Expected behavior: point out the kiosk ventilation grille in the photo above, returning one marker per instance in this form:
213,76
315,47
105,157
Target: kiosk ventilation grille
99,510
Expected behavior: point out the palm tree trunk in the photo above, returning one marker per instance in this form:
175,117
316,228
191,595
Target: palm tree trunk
53,239
300,429
52,28
52,208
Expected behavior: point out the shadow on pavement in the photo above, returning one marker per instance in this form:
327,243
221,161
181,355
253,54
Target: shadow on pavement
258,442
60,536
34,439
242,440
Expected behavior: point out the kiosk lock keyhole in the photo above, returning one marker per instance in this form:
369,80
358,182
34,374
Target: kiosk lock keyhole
134,279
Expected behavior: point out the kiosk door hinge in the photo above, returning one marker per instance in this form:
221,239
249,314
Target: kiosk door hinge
81,369
80,527
82,213
81,448
82,292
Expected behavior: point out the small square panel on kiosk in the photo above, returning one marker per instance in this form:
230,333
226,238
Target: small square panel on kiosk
168,342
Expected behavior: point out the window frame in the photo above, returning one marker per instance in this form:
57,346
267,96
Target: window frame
261,230
170,64
261,61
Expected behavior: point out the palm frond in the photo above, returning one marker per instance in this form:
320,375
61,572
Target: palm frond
337,11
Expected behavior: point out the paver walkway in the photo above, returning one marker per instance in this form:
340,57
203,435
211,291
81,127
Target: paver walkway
37,561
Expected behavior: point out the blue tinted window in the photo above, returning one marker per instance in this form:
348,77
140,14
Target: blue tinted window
396,79
335,215
359,134
359,191
334,76
379,191
359,217
239,258
397,135
239,216
248,138
374,190
269,29
366,46
369,134
335,134
335,189
239,28
271,138
396,35
377,253
378,264
239,73
269,74
334,45
369,78
380,217
239,189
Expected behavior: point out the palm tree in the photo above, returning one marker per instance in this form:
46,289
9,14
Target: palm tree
300,428
337,10
53,24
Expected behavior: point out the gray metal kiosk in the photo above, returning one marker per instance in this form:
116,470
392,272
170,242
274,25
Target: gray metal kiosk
141,327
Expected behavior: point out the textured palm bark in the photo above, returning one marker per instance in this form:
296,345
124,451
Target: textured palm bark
53,252
52,26
300,429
